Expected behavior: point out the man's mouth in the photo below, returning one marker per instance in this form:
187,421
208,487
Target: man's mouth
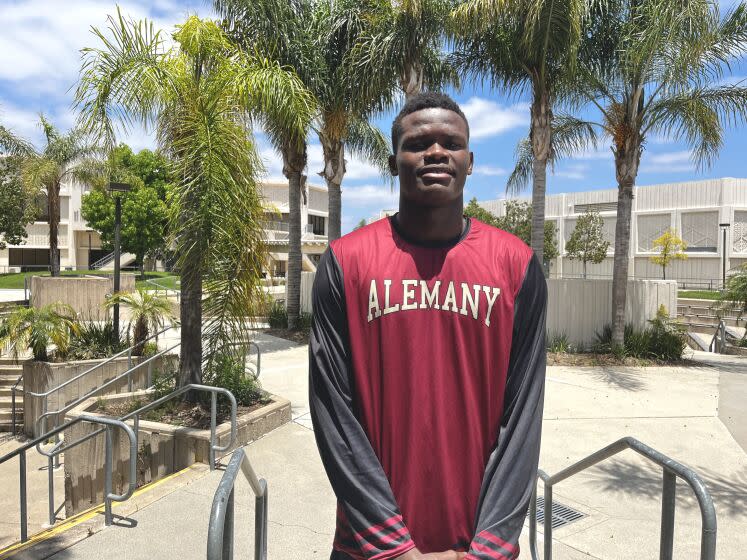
436,173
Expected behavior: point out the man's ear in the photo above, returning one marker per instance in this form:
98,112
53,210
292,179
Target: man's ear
393,165
471,163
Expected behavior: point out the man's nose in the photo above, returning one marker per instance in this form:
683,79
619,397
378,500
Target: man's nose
436,153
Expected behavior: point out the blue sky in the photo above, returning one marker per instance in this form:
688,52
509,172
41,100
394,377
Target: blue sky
40,60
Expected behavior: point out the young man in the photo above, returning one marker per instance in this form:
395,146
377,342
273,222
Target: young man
427,363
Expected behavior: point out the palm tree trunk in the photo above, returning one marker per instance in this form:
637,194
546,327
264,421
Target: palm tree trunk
190,311
627,159
540,134
584,270
53,208
294,161
334,171
411,81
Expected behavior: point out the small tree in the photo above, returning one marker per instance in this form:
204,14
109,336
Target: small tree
148,313
360,224
38,329
670,247
17,208
586,242
517,220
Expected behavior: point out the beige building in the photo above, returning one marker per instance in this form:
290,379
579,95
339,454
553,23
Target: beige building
80,247
694,209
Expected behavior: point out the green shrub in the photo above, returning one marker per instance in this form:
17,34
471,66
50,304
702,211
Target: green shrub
278,316
150,349
229,373
559,343
94,340
665,340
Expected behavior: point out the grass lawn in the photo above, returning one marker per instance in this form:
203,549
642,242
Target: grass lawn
698,294
164,279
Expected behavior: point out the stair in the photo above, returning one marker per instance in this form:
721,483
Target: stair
9,373
701,316
125,259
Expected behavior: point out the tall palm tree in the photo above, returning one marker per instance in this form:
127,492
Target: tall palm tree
402,46
200,93
344,106
518,46
12,144
71,155
282,30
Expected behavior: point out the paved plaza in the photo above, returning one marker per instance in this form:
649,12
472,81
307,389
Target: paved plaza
684,412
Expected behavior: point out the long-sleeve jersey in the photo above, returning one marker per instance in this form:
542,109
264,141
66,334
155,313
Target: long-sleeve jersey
427,367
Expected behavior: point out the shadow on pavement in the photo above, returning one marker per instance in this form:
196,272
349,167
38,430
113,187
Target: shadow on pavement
729,493
626,380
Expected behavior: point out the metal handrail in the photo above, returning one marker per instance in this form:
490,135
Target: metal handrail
128,374
220,525
154,282
102,261
109,496
46,394
671,469
719,338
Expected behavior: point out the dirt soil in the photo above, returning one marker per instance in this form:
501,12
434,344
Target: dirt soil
178,413
300,337
565,359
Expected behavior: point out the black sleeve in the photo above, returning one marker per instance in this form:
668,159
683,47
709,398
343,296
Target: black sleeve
511,472
375,528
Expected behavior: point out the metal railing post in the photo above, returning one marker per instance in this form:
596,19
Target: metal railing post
108,477
669,487
50,482
129,358
22,487
213,422
149,381
548,521
13,410
260,523
228,528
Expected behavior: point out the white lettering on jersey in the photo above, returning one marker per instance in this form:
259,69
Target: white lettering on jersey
387,308
373,302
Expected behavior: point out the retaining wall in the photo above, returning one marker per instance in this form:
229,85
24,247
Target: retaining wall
581,308
85,294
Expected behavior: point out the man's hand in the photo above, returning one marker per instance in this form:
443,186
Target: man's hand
415,554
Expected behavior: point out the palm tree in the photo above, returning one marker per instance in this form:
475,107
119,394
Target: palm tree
65,156
13,145
281,30
200,94
402,46
652,68
149,310
520,45
39,328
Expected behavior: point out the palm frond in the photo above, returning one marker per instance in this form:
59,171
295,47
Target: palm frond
14,145
369,143
522,173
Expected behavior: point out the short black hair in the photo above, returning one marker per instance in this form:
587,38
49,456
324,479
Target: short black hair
425,100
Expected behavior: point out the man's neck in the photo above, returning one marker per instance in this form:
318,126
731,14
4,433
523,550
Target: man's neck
426,224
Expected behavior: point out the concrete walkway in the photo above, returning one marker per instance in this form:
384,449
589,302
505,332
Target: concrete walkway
680,411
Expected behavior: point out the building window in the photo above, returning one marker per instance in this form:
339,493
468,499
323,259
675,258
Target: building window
317,224
651,227
700,231
739,231
29,259
279,269
595,207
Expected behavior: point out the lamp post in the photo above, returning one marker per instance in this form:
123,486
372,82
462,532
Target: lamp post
117,188
724,228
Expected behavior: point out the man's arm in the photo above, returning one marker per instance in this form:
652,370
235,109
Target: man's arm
511,472
376,527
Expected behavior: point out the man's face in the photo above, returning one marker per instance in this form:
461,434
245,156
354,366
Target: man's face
433,157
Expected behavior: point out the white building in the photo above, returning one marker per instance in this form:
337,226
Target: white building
80,247
694,209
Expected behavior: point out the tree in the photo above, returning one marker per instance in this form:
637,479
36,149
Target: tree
734,296
670,247
65,156
38,328
144,217
517,221
360,224
401,46
518,45
149,311
200,93
17,203
653,68
586,242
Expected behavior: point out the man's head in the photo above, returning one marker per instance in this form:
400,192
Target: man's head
430,139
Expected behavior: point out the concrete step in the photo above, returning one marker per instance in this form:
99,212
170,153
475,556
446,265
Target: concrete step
7,402
8,380
6,416
6,392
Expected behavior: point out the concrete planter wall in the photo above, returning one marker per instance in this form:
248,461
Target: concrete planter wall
162,448
40,377
85,294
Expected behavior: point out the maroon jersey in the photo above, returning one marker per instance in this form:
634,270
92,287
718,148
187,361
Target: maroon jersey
427,370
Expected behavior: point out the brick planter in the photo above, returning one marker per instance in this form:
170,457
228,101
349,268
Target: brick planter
162,448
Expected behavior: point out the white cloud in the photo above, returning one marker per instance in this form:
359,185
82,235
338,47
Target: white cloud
370,195
487,118
573,171
489,170
668,162
601,153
